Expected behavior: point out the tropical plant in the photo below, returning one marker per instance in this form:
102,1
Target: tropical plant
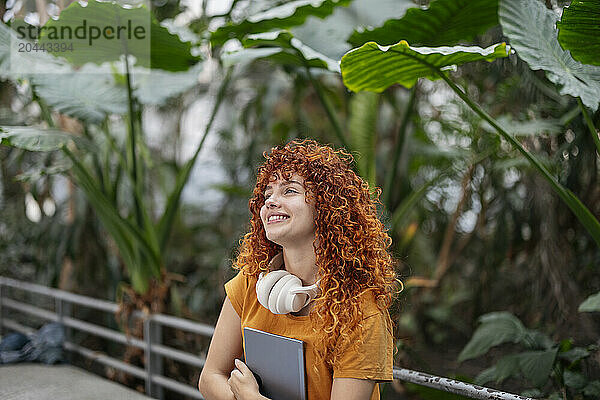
562,363
140,240
470,215
372,67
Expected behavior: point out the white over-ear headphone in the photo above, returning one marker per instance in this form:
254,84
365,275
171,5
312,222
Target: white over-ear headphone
282,292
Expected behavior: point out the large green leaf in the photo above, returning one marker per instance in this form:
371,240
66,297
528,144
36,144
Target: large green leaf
590,304
70,93
537,365
579,30
526,128
496,328
574,354
373,67
446,22
530,26
506,367
536,340
67,90
282,48
143,37
244,56
38,139
157,86
168,51
59,165
575,380
285,16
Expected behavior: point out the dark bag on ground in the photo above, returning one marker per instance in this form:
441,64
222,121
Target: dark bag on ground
45,346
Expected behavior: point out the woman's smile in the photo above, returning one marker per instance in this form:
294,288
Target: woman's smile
277,218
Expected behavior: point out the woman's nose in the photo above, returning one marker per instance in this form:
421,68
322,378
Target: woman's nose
271,202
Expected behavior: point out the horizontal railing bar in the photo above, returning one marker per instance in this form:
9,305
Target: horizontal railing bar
74,323
106,360
454,386
29,309
175,322
61,294
168,320
178,355
103,332
177,386
14,325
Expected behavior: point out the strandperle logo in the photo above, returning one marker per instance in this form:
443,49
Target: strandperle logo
83,31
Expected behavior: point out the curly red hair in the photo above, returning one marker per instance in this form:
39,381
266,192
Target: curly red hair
352,244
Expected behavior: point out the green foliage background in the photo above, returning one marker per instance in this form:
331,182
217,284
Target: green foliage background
481,129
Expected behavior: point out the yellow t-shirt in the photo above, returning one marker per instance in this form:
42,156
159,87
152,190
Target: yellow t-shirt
374,360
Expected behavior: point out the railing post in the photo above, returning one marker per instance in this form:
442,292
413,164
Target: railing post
152,335
1,314
63,309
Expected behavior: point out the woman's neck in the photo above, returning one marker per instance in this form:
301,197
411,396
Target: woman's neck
301,261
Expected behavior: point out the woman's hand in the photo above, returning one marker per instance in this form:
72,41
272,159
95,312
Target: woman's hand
242,383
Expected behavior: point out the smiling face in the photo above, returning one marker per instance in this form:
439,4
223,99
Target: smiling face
288,219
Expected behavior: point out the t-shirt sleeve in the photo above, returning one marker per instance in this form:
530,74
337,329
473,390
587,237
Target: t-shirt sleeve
375,356
236,289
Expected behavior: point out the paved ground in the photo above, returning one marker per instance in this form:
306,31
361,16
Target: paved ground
59,382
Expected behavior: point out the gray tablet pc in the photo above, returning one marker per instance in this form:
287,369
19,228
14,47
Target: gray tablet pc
279,363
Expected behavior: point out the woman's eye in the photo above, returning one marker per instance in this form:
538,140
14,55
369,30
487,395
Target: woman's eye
290,191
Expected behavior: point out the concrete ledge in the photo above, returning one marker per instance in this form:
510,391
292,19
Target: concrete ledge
64,382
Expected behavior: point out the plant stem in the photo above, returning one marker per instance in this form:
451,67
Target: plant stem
132,147
400,140
337,127
46,114
582,213
590,125
113,145
100,172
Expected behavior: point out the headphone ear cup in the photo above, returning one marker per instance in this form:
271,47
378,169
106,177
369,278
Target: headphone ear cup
259,285
265,285
276,292
285,300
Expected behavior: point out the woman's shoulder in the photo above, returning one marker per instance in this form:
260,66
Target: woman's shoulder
241,282
375,318
368,303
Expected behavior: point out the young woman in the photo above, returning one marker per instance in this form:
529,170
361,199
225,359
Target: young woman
313,217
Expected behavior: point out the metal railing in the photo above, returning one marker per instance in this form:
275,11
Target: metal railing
154,350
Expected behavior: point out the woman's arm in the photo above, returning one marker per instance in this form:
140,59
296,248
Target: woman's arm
352,389
225,347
